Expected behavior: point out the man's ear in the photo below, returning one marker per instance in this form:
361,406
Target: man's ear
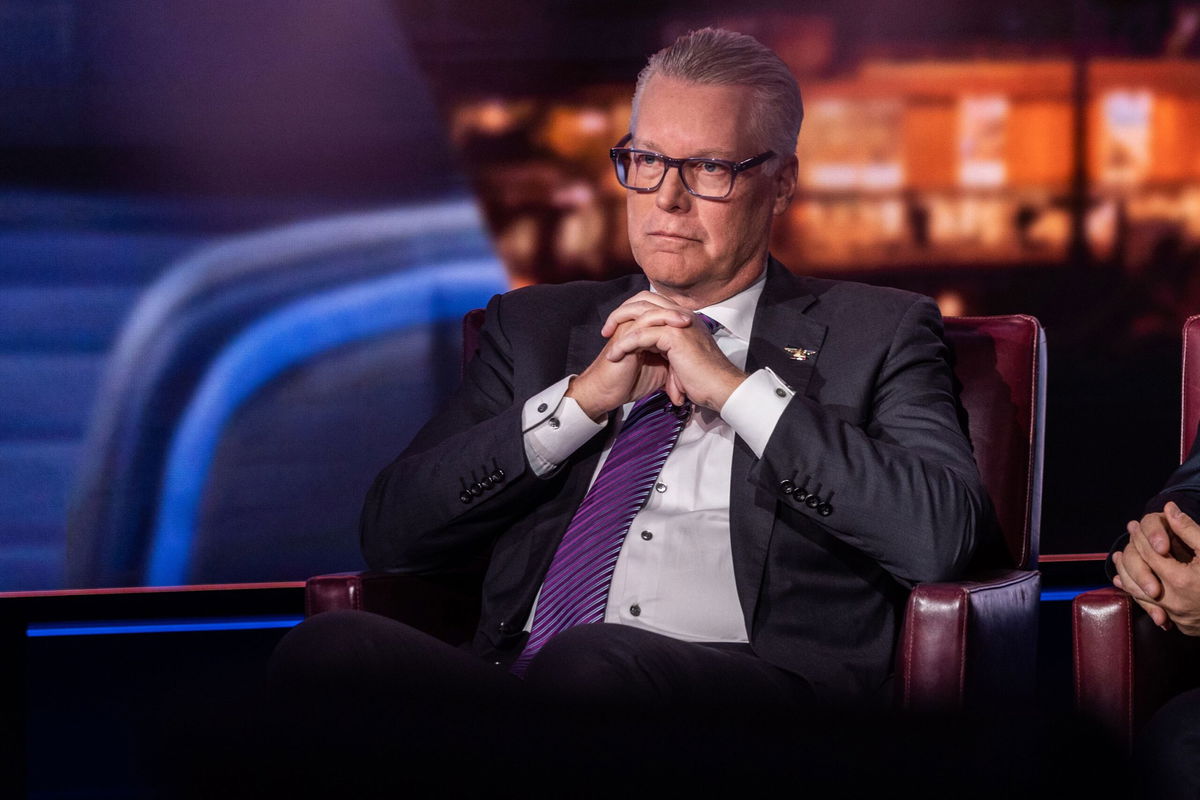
785,184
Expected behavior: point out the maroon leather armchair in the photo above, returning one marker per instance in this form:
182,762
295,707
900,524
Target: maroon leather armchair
967,644
1125,666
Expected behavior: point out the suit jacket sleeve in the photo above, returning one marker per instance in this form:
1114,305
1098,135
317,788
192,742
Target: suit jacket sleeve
415,517
1183,487
902,487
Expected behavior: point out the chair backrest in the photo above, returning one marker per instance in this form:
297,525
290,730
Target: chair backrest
1000,365
1190,413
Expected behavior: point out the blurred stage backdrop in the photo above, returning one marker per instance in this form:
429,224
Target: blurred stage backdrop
236,238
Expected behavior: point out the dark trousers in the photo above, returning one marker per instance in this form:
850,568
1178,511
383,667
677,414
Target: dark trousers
362,703
1167,753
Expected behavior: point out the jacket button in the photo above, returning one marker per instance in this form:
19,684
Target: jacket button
497,476
787,487
504,627
800,495
813,501
476,489
465,496
824,509
487,482
542,407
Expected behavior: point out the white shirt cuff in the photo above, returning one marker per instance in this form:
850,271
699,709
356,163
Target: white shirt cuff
754,408
554,427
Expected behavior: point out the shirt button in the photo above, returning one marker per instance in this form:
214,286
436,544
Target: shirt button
647,535
553,422
542,407
636,610
780,393
660,487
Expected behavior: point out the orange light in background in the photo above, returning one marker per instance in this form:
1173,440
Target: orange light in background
1125,137
951,304
902,163
982,139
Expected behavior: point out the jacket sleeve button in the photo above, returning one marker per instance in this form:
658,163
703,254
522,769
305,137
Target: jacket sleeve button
497,476
800,495
787,487
824,509
476,489
465,496
813,501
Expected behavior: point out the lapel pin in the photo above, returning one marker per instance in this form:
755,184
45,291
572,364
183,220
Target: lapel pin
799,353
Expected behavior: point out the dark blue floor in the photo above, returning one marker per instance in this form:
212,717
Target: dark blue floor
112,715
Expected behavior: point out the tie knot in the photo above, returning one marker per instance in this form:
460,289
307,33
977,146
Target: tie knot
709,322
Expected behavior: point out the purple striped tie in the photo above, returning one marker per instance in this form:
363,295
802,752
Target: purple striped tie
575,591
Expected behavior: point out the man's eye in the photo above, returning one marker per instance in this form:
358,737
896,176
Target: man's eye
647,160
710,167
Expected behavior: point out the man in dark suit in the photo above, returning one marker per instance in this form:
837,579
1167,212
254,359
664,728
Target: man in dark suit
844,477
815,468
1155,562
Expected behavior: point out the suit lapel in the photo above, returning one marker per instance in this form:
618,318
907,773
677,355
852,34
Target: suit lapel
779,322
585,340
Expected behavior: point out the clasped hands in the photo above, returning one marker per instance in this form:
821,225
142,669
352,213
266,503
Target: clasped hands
1159,568
655,344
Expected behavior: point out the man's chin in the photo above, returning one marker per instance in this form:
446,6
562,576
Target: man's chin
671,271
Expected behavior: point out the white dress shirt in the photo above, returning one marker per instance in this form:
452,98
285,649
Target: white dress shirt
674,575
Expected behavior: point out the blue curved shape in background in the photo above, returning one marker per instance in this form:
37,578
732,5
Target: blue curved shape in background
185,320
280,340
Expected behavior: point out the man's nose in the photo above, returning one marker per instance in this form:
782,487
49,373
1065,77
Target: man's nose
672,196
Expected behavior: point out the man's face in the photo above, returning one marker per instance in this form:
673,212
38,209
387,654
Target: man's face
687,246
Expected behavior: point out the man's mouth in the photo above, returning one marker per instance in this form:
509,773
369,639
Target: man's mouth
673,235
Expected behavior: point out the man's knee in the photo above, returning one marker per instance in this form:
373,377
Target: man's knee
328,645
599,663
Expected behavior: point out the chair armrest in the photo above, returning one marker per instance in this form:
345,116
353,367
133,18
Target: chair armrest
1126,667
445,606
971,644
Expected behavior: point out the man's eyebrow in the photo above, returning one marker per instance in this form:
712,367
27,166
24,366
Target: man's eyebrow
646,144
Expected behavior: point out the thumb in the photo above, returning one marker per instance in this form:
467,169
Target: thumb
1183,526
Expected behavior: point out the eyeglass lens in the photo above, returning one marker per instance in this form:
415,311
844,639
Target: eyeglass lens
639,170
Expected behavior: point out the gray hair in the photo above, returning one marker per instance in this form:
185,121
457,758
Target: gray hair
717,57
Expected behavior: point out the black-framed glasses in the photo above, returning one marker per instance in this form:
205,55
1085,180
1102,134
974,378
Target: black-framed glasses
707,178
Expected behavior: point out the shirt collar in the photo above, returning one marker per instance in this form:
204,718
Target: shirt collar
736,314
